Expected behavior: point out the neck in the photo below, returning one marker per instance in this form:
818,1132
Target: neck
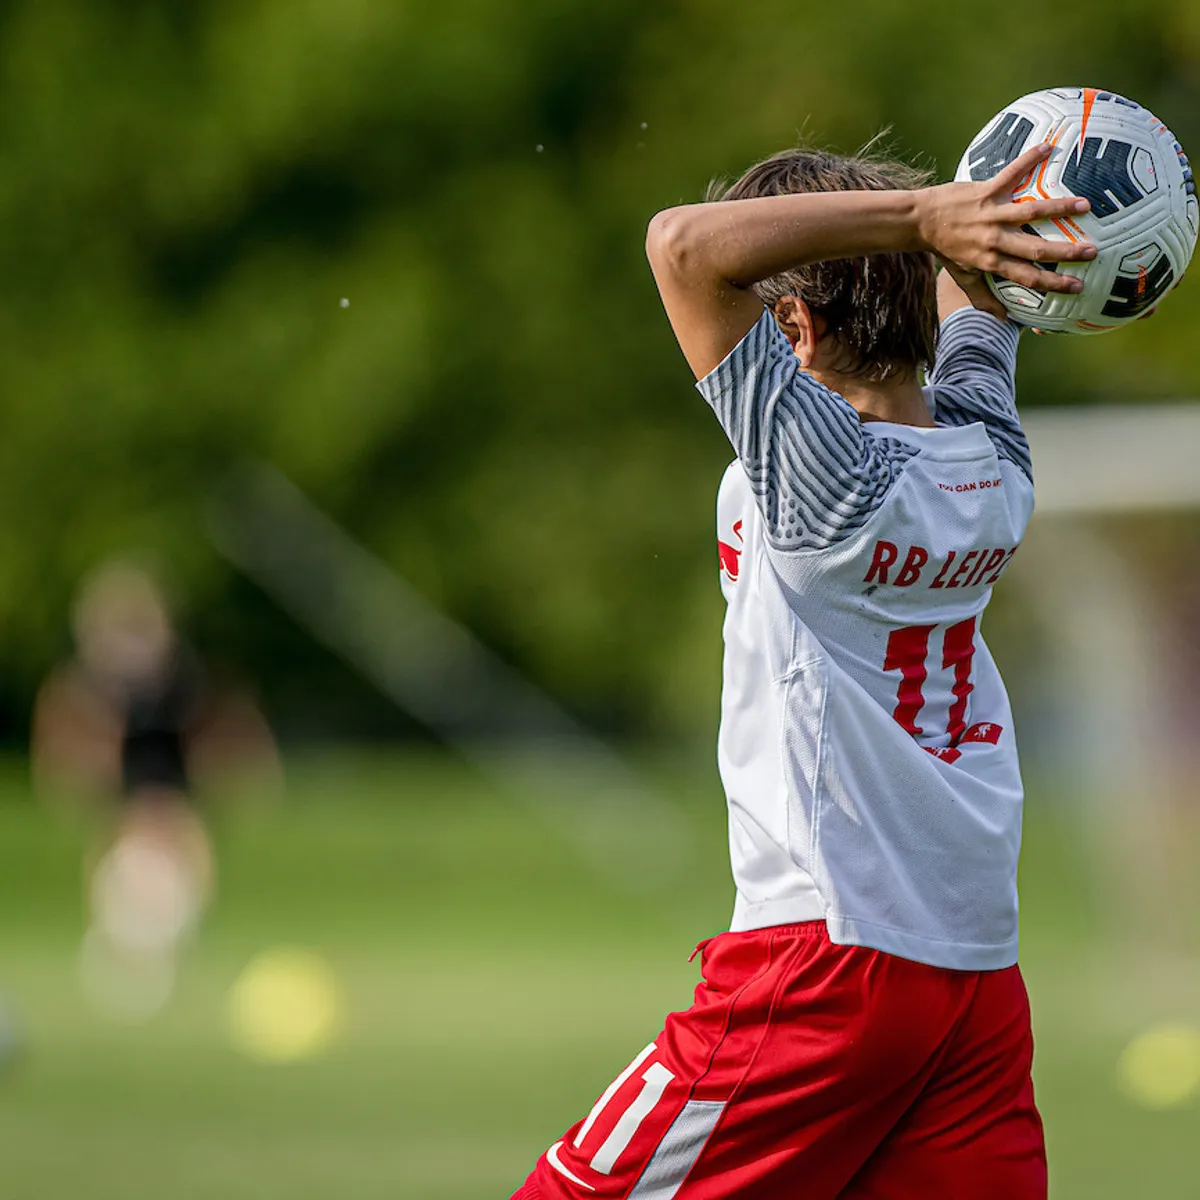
900,401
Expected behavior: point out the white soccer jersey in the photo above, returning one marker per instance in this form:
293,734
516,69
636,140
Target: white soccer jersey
866,742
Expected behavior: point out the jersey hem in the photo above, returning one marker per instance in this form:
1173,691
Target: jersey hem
851,931
954,956
762,914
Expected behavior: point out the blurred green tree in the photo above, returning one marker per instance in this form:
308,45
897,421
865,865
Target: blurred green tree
190,189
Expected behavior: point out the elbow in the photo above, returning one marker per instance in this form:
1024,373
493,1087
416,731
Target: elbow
671,243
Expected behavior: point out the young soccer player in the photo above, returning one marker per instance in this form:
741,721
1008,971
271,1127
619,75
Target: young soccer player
862,1031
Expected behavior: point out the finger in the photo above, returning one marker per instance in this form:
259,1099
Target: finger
1040,249
1006,181
982,299
1022,211
1028,275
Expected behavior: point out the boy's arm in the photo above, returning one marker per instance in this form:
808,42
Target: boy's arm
951,297
974,375
707,257
974,378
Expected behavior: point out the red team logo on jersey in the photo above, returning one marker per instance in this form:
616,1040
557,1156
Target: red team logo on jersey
730,556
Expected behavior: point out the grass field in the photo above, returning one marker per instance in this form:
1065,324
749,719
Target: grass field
493,985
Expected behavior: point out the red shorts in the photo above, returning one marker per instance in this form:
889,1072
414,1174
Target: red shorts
805,1069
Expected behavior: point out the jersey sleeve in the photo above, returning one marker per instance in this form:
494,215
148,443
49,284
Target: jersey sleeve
974,379
816,473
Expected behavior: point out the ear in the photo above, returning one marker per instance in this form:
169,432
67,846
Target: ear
802,327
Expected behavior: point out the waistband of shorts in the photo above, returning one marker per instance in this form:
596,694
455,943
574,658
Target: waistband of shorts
804,931
799,929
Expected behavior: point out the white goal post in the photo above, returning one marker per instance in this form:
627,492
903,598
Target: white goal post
1133,458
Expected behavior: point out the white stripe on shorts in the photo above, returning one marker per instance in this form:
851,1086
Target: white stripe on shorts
678,1151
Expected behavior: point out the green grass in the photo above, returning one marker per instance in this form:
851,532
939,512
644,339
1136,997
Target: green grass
494,985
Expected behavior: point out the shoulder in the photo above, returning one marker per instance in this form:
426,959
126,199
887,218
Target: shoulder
764,350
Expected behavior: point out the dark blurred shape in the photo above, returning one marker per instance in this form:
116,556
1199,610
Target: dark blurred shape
128,731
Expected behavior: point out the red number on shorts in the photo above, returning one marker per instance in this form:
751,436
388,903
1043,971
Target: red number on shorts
908,653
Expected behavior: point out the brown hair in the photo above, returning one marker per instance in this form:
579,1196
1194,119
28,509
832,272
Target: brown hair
881,310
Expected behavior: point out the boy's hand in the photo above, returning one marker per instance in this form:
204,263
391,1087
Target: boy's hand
976,227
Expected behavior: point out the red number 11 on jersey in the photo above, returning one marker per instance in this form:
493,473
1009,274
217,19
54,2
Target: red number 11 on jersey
908,653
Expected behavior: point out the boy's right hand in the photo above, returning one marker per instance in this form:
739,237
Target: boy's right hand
975,228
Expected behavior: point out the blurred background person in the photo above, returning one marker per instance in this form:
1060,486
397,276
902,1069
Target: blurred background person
127,730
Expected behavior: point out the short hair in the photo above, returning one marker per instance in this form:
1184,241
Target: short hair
880,310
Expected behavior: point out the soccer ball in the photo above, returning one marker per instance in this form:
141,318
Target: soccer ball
1144,215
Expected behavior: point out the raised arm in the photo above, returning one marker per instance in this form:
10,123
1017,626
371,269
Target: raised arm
707,257
951,296
974,378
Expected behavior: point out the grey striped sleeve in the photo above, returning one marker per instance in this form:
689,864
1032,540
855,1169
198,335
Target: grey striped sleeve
974,379
817,474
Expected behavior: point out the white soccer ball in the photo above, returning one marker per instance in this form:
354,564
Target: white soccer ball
1144,215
